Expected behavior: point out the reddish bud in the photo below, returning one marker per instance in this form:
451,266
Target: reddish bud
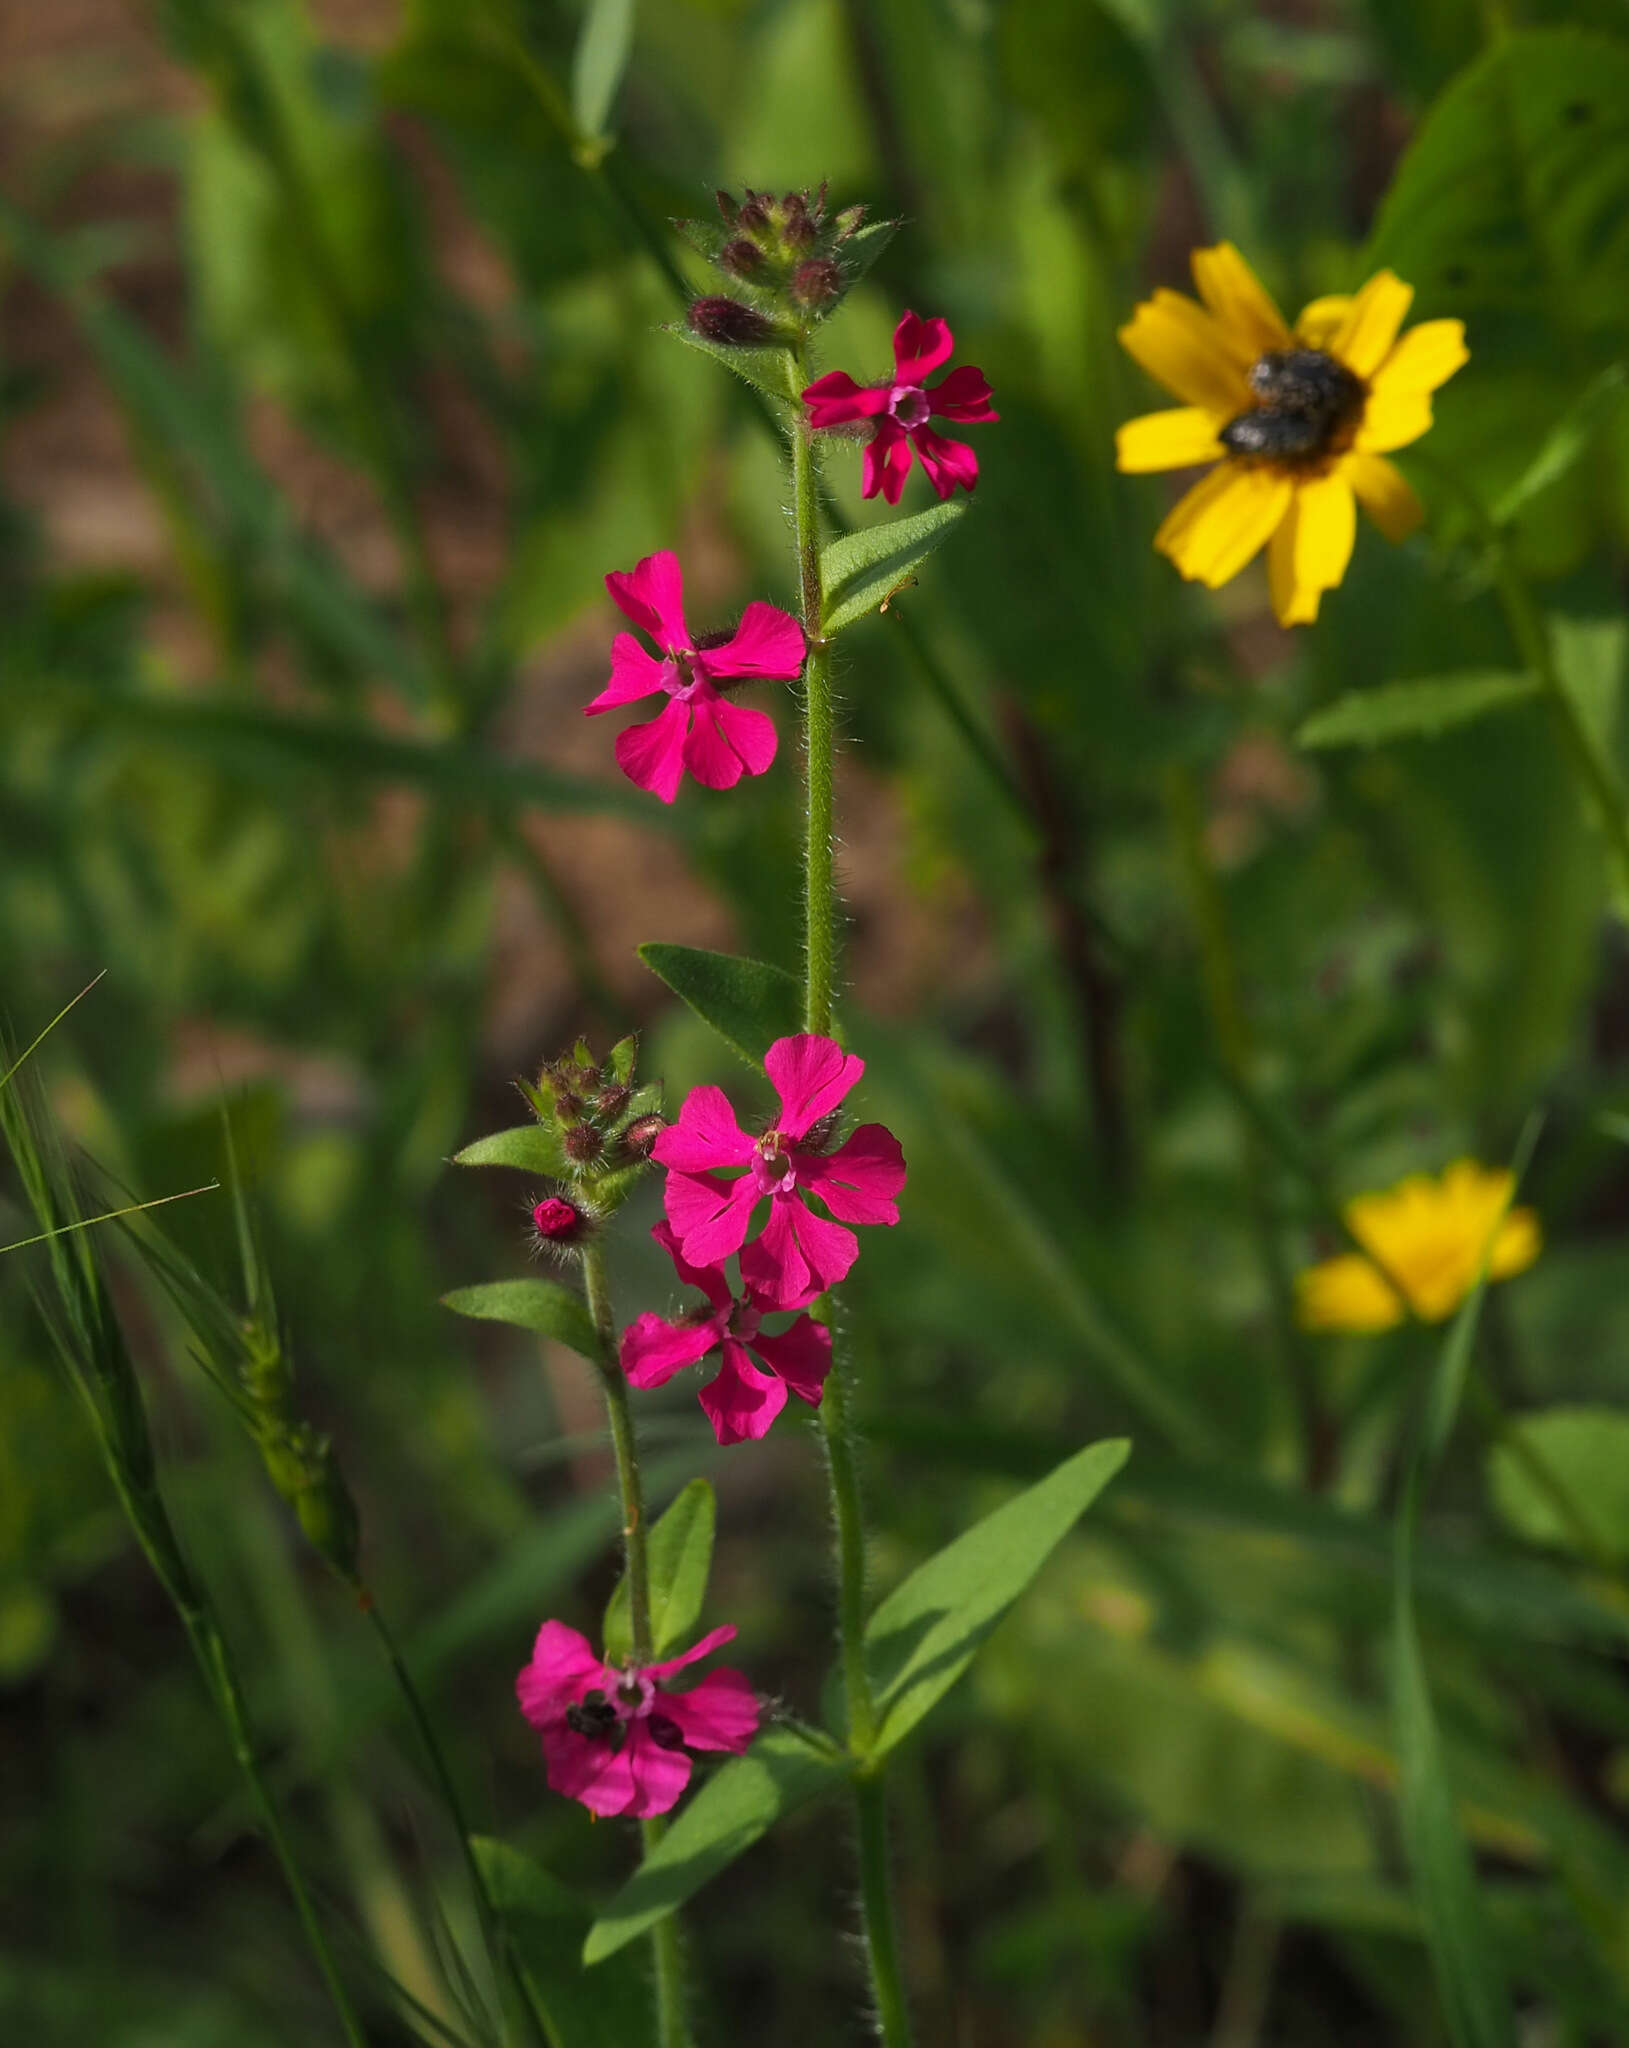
611,1102
797,229
753,218
817,283
741,258
726,206
582,1144
729,322
558,1221
642,1134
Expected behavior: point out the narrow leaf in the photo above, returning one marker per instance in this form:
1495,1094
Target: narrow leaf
546,1922
765,369
534,1148
747,1002
1579,429
1414,710
540,1305
679,1558
926,1633
863,247
781,1772
1561,1477
860,569
604,45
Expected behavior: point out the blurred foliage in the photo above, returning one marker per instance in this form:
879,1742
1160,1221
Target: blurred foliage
372,295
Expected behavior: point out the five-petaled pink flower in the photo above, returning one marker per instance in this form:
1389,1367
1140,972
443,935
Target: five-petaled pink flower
697,728
902,407
799,1253
614,1736
741,1402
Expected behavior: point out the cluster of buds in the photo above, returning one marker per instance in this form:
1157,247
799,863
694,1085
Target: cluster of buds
603,1127
789,264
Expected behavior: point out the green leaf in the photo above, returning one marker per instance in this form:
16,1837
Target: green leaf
546,1922
765,369
863,247
1514,197
541,1305
747,1002
926,1633
604,45
619,1061
1579,429
783,1770
860,569
1414,710
1562,1478
535,1148
680,1556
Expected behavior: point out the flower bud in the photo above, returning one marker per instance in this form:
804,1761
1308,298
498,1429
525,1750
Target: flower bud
816,284
726,206
741,258
797,227
642,1134
733,324
848,222
582,1144
558,1221
611,1102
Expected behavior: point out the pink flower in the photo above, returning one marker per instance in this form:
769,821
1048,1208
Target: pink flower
741,1402
615,1738
799,1253
697,728
902,408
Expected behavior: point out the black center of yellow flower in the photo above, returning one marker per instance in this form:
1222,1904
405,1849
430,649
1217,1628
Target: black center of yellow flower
1305,403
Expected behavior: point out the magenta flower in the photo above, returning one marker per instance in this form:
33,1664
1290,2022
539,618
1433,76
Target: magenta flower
902,408
615,1737
799,1253
741,1402
697,728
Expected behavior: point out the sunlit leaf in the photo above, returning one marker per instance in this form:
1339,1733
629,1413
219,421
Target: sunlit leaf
765,369
535,1148
543,1306
679,1557
860,569
747,1002
1413,710
604,45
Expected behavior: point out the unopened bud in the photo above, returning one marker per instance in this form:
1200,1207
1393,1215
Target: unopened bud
642,1134
726,206
848,222
611,1102
729,322
558,1221
797,229
582,1144
753,217
817,283
741,258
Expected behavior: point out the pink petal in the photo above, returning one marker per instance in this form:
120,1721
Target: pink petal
749,734
582,1767
859,1180
652,595
635,673
835,399
963,395
798,1255
653,1350
741,1402
659,1775
948,463
710,1279
811,1075
768,642
705,1136
715,1639
886,462
828,1250
920,346
563,1666
652,755
719,1713
802,1357
710,1216
707,753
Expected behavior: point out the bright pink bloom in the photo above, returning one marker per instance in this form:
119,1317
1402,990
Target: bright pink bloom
697,728
741,1402
799,1254
902,408
615,1737
554,1218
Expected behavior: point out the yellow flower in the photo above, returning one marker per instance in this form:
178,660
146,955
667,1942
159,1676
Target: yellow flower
1430,1236
1299,423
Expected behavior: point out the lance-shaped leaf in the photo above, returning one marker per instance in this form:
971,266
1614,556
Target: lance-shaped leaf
765,369
1414,710
781,1771
679,1557
534,1148
545,1922
604,45
860,569
539,1305
747,1002
926,1633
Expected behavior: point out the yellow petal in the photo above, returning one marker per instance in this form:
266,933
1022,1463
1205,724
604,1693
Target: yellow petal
1518,1244
1385,494
1223,521
1390,423
1322,319
1346,1294
1168,440
1233,293
1311,549
1371,324
1428,355
1180,345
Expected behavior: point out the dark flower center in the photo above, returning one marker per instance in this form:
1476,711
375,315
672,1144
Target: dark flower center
664,1732
1306,404
909,405
593,1717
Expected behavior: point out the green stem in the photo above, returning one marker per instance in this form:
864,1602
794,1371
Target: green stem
671,2031
492,1923
842,1465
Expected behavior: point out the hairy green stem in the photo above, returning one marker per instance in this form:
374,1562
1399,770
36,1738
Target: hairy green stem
842,1465
671,2031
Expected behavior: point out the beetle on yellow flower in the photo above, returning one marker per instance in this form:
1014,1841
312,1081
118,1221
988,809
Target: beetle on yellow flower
1428,1236
1299,422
